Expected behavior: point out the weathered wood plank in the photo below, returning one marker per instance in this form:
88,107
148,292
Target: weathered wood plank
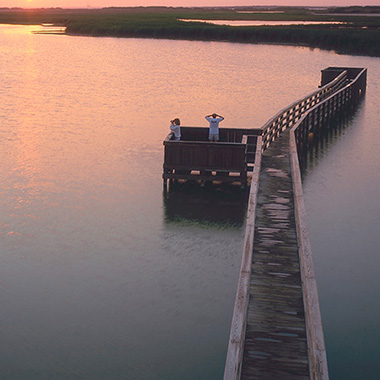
237,333
275,339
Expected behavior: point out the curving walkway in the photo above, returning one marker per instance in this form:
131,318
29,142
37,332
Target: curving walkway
276,329
275,340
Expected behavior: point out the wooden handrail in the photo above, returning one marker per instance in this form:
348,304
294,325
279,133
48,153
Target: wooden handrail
315,340
318,368
274,126
239,318
330,106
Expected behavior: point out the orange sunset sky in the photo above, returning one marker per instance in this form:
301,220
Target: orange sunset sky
197,3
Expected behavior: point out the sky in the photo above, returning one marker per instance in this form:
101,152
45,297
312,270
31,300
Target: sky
177,3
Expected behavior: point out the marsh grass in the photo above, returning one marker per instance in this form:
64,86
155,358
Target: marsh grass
361,35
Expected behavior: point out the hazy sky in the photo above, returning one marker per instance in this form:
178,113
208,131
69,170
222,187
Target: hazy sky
197,3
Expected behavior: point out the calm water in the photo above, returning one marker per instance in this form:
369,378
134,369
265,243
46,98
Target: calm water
101,276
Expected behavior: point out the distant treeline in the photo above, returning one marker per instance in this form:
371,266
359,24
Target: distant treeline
360,36
356,9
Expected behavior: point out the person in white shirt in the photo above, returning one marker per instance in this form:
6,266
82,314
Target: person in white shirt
214,121
175,127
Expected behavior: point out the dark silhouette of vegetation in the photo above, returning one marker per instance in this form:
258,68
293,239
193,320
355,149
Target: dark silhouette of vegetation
359,35
356,9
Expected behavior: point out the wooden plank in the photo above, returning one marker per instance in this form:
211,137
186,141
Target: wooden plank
275,340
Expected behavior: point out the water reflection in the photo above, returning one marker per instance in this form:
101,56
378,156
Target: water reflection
50,29
17,29
261,22
221,205
93,257
32,29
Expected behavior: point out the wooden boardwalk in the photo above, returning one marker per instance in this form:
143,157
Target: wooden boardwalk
275,339
276,329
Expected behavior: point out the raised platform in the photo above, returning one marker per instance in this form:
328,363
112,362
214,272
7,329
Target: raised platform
195,158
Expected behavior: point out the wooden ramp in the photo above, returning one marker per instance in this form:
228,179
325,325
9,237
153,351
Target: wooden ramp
275,340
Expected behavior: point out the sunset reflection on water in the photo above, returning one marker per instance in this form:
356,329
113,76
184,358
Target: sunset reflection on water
99,270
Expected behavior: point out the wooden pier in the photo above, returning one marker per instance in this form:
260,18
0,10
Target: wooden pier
276,329
275,344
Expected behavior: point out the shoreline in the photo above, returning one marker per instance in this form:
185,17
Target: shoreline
360,37
283,43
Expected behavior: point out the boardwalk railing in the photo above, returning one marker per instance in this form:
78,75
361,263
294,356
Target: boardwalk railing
307,115
314,331
239,319
318,117
288,116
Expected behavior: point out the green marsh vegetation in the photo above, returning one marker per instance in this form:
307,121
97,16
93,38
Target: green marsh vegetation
358,33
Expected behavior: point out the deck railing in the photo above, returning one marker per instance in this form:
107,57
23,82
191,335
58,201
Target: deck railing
231,135
194,157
